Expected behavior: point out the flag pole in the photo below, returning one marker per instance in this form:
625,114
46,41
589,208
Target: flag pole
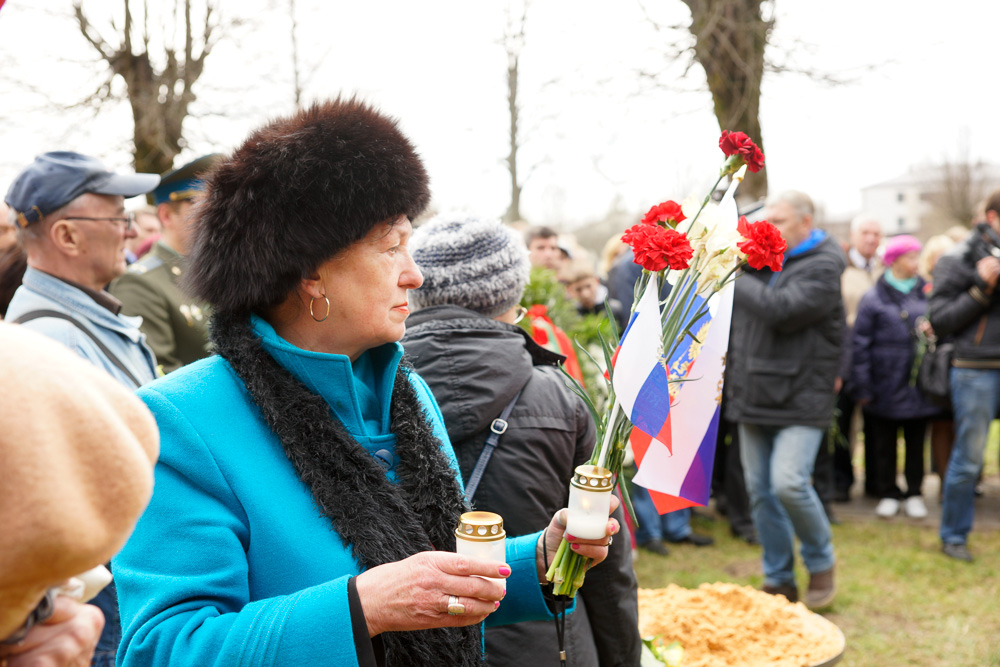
609,429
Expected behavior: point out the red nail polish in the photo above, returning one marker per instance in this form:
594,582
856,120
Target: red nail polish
496,605
568,537
504,571
574,547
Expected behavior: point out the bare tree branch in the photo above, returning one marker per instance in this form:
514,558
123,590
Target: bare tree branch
95,40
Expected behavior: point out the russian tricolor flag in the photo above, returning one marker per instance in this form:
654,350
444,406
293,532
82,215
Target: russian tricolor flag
640,378
675,415
675,464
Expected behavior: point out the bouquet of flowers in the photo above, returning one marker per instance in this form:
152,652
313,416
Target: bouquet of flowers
698,248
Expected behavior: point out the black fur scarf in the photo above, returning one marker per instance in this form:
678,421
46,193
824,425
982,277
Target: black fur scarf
379,521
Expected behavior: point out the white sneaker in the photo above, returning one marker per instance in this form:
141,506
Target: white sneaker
915,508
887,508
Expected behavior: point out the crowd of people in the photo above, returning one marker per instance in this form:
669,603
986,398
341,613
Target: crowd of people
315,444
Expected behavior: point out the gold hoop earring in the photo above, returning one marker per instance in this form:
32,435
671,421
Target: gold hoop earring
313,315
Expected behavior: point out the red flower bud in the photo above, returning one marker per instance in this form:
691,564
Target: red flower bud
739,144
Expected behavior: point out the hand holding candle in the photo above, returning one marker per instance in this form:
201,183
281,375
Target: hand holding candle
593,550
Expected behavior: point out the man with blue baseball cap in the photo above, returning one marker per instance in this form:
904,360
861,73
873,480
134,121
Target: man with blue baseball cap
175,323
69,210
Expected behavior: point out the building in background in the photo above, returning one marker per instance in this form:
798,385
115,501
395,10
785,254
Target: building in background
928,200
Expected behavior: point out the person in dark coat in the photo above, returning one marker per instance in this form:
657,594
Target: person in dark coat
964,305
462,339
785,352
883,342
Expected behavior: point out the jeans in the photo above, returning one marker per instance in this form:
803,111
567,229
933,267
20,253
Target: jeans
975,397
111,636
778,464
674,526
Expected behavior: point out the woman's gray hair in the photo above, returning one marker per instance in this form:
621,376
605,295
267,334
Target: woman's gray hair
799,201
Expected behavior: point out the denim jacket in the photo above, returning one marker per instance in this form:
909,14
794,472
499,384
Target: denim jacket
41,291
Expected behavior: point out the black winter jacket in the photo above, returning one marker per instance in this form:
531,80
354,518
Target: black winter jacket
884,351
785,345
960,305
474,366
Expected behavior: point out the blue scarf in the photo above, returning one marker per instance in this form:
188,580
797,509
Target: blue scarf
904,286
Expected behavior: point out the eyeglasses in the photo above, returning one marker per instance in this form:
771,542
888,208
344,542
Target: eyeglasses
128,220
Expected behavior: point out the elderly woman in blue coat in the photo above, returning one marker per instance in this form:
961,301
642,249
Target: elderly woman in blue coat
884,337
307,495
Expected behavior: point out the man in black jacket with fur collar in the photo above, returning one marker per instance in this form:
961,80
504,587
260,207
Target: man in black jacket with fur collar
964,304
783,360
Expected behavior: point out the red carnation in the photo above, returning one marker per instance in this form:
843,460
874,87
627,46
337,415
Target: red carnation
668,212
763,244
740,145
656,248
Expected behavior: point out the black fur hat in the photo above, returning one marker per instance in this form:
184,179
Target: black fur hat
298,191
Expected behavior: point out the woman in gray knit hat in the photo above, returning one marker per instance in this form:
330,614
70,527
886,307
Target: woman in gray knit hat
463,341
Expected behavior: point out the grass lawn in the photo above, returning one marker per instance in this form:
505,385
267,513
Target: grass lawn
900,602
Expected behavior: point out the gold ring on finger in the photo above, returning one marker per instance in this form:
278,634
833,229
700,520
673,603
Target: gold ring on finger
455,608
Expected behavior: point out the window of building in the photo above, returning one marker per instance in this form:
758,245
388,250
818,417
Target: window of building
901,223
900,197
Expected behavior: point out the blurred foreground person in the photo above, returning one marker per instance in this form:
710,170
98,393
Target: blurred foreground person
780,392
884,343
964,305
307,494
477,362
77,453
72,224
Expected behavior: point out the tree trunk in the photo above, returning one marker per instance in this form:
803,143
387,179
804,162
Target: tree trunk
159,99
730,39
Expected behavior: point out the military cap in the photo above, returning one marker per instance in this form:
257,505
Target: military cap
186,181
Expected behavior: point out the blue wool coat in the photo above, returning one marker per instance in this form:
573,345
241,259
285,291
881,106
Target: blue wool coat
884,351
232,563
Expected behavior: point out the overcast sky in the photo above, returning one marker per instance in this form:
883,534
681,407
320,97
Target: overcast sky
922,77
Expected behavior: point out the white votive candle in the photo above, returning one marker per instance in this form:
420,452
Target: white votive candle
589,503
481,535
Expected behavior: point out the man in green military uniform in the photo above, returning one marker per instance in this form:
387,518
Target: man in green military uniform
175,324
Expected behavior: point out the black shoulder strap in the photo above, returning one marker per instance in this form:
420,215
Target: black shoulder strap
497,428
36,314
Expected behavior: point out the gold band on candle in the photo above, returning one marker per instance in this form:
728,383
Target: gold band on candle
592,478
480,527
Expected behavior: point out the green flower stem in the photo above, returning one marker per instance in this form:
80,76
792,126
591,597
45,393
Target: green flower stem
682,308
676,335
